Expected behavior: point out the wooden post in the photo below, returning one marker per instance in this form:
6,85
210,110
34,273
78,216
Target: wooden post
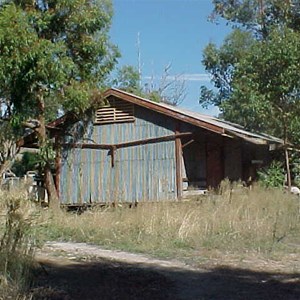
178,158
288,171
286,154
57,165
112,151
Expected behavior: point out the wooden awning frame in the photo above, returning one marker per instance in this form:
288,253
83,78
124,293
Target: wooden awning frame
113,147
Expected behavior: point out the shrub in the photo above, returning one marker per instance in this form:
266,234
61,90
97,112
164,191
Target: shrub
272,176
17,244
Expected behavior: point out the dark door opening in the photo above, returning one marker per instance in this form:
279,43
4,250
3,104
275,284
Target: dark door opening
215,168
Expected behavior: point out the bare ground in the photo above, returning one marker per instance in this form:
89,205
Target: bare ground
80,271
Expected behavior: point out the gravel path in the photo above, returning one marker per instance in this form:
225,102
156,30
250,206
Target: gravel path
81,271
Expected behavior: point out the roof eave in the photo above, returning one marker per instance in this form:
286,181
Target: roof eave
254,140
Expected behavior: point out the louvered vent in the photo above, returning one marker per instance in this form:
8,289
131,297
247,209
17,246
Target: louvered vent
116,111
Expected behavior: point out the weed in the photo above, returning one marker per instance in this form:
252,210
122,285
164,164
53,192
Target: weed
17,244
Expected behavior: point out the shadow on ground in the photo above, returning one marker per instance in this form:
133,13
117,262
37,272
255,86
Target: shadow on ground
106,279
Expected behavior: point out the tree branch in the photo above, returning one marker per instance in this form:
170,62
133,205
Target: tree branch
32,124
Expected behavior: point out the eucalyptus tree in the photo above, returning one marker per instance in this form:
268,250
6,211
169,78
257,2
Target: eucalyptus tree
255,71
220,63
54,54
251,21
258,16
128,79
266,88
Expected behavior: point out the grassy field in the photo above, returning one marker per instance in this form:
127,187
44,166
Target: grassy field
235,220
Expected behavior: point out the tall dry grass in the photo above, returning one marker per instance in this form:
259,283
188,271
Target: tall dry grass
17,244
236,219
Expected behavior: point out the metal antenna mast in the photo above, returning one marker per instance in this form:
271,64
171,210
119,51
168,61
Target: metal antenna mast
139,59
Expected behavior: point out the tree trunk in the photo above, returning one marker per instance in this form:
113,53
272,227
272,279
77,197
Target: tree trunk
5,166
8,160
53,199
50,188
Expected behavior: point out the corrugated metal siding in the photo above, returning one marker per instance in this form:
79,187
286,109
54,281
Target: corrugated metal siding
143,172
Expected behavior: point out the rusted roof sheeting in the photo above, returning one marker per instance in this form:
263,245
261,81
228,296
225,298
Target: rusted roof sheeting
200,120
163,109
204,121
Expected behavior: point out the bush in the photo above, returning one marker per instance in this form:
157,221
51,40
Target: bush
295,168
17,244
273,176
29,162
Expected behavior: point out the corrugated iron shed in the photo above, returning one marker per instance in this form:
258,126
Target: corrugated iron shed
143,171
149,156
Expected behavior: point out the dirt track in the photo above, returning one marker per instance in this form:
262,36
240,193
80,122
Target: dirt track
80,271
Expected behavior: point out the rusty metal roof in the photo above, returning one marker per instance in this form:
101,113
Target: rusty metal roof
204,121
207,122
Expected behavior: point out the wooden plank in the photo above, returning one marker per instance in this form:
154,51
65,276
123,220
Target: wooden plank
188,143
112,154
57,166
67,117
115,113
117,110
178,154
130,144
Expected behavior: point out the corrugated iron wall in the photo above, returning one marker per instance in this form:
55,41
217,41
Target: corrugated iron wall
143,172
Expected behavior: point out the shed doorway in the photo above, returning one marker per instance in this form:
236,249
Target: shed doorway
215,168
193,166
202,166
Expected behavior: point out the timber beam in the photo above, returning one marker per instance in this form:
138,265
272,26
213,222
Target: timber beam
129,144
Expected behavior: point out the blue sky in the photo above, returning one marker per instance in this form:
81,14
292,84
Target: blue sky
170,32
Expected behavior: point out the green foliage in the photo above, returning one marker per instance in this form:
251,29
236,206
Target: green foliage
266,85
295,167
258,16
128,79
221,62
34,161
9,134
52,49
255,71
29,162
154,96
46,153
272,176
53,55
170,91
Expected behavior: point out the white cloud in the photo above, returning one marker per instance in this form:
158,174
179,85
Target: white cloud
185,77
196,77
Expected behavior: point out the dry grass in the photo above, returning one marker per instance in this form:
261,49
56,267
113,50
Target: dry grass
17,243
236,220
